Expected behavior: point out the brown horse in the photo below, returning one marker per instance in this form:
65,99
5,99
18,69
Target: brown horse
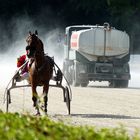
40,69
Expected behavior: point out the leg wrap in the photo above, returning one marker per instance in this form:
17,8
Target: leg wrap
34,101
45,103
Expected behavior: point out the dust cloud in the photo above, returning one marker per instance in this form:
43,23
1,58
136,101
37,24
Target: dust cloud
14,46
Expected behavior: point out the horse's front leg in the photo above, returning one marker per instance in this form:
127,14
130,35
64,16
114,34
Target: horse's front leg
45,96
35,99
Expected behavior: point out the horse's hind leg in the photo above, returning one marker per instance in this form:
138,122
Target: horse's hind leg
45,93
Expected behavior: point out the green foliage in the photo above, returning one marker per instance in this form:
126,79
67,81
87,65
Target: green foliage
20,127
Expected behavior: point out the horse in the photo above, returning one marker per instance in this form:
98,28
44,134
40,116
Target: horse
40,69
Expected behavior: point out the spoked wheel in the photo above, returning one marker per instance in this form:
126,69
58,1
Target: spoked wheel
67,99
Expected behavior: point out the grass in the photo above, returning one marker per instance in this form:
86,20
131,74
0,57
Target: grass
14,126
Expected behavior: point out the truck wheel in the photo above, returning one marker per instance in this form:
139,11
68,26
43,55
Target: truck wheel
69,77
124,83
75,84
84,84
67,74
114,84
119,84
74,73
111,84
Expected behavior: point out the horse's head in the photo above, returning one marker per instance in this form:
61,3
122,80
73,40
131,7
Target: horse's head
34,45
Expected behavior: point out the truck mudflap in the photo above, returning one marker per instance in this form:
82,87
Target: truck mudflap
103,76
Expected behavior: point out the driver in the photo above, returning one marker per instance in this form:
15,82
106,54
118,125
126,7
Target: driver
23,75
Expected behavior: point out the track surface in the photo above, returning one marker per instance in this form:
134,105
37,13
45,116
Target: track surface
95,105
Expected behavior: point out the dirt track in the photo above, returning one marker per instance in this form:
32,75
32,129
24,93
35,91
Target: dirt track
95,105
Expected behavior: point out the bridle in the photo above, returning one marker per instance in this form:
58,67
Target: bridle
33,51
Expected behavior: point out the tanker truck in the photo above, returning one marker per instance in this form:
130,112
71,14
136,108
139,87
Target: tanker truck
96,53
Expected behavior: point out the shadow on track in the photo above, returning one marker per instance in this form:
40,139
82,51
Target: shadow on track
111,116
95,86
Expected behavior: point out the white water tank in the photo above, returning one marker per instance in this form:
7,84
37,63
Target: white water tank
100,41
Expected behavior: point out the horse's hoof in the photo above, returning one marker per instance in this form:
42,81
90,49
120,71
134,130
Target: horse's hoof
37,114
45,110
34,104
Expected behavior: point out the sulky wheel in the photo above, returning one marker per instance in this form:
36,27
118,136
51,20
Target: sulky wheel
8,100
67,99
